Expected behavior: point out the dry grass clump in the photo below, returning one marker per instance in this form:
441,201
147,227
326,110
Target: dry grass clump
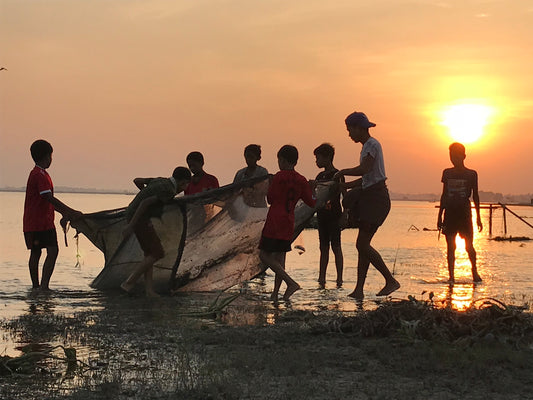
486,319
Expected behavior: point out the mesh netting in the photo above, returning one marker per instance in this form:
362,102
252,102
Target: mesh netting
210,238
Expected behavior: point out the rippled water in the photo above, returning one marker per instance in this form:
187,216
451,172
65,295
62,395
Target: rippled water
417,257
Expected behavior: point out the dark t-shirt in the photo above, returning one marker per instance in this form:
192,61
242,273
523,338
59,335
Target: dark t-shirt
165,191
333,208
459,184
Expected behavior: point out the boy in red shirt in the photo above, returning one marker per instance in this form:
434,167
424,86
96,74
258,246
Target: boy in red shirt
286,188
201,180
38,221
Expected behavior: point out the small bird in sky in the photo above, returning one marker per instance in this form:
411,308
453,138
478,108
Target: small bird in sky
3,69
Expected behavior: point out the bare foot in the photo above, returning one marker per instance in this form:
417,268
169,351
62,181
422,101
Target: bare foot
290,291
127,287
477,278
389,288
152,294
357,295
339,283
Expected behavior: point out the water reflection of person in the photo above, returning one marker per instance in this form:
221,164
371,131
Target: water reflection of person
459,183
460,297
32,334
254,196
374,202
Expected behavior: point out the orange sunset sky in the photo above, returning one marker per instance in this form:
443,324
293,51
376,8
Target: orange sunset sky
128,88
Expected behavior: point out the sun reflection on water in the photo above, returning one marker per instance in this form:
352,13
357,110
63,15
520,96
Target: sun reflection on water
460,297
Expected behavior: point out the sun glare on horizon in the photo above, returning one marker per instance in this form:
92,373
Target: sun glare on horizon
466,122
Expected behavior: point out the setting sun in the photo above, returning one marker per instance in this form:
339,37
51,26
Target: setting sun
466,122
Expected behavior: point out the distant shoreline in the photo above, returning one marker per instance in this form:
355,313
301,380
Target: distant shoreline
485,197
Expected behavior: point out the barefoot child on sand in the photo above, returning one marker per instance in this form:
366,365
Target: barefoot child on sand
459,183
374,202
286,188
154,191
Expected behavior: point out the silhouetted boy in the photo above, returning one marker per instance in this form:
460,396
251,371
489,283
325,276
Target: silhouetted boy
374,202
329,231
200,180
286,188
153,193
38,222
459,183
253,196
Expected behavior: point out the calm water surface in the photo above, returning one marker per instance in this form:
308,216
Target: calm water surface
417,257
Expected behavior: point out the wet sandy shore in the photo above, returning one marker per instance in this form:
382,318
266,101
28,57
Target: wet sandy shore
134,348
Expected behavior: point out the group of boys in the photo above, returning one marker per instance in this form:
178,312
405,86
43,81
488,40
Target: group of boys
286,188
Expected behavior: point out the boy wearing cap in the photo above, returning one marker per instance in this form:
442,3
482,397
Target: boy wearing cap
153,193
459,183
374,202
286,188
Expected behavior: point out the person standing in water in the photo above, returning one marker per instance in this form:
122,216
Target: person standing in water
286,188
154,192
40,205
459,183
328,217
374,203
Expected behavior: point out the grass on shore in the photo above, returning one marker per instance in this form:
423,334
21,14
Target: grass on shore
404,349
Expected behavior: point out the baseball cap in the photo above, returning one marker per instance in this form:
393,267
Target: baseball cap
358,119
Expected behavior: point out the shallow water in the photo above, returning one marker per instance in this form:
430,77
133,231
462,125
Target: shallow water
416,256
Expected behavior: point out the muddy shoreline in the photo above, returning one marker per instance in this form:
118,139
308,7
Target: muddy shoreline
140,349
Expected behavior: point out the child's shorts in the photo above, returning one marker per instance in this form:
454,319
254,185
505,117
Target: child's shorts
458,221
148,240
329,231
40,239
274,245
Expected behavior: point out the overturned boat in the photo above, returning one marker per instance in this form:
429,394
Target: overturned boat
210,239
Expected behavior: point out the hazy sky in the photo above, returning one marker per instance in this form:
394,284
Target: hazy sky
126,88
